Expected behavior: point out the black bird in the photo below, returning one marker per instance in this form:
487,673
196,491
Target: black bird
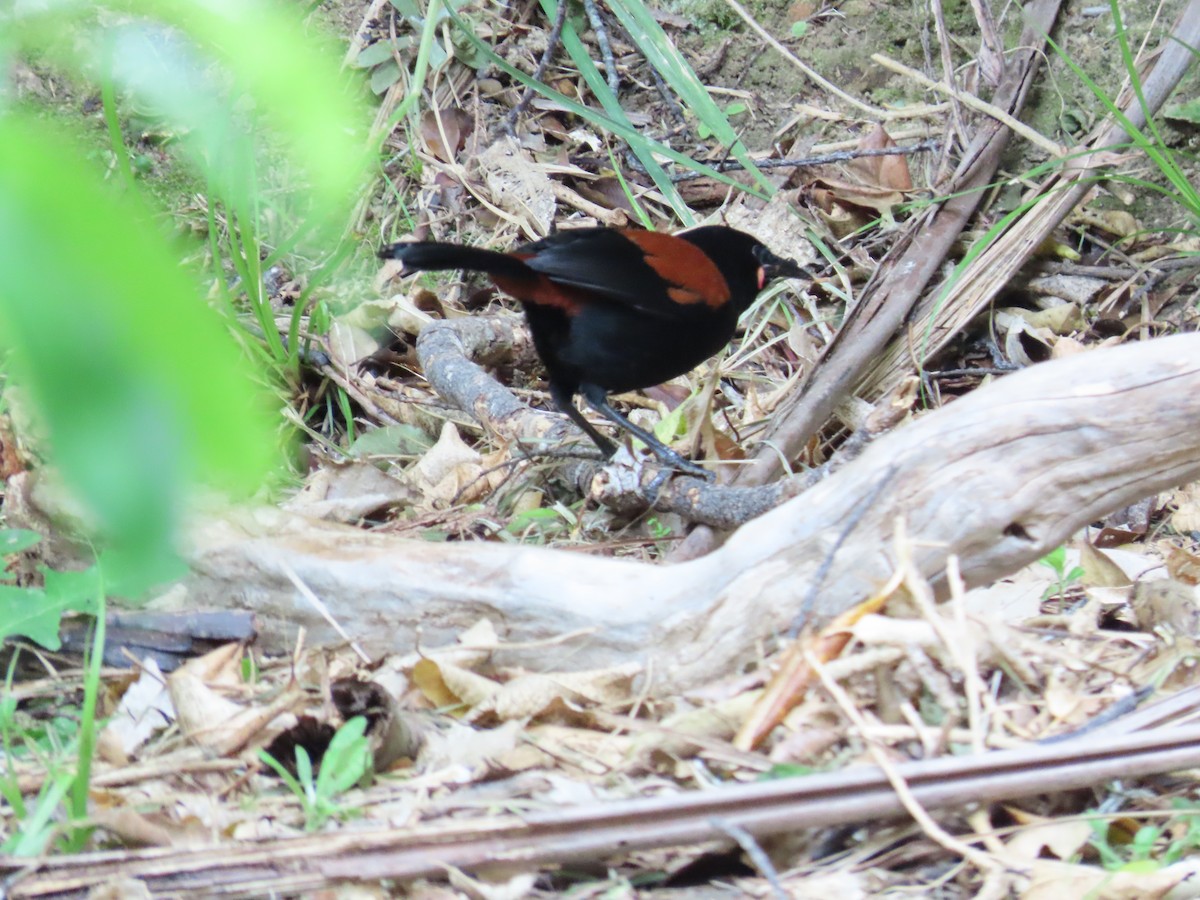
617,309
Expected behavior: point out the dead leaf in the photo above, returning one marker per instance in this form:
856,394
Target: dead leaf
1183,566
537,694
1114,221
1186,501
888,172
349,492
144,709
456,747
1064,318
1053,880
446,685
1021,337
454,124
1098,568
1078,289
208,717
1066,346
444,473
1167,603
1063,839
864,203
349,344
550,745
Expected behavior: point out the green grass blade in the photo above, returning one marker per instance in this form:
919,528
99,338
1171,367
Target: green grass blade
626,132
662,53
599,87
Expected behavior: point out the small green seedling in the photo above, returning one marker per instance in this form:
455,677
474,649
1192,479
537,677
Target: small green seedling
1065,580
347,761
1149,850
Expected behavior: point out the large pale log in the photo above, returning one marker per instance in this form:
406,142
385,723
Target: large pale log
999,478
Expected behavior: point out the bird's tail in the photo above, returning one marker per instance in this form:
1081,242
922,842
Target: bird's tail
432,256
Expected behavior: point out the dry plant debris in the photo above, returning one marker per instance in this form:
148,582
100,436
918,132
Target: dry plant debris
467,758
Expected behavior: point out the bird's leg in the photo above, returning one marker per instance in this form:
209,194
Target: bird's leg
598,400
564,399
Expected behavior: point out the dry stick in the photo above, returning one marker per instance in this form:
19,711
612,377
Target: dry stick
1120,273
755,853
560,17
940,317
451,352
907,269
896,285
991,51
595,831
611,75
307,593
727,165
810,73
943,39
969,99
1104,428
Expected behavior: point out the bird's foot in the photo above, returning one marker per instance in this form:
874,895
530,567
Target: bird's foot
670,458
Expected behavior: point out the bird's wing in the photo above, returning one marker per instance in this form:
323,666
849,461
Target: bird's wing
655,273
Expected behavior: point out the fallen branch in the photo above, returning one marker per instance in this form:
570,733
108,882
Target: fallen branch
998,478
453,354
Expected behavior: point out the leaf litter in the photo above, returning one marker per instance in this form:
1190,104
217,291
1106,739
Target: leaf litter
456,735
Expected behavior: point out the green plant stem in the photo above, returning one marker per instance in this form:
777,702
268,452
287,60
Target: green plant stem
420,67
82,783
124,164
108,99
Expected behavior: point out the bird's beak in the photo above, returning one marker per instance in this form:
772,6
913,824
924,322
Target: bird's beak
777,267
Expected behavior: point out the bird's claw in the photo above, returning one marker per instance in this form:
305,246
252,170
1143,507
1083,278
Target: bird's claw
673,460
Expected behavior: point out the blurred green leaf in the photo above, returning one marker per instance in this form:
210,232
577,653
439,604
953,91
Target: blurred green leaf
1188,111
141,389
391,440
35,612
14,540
216,70
293,77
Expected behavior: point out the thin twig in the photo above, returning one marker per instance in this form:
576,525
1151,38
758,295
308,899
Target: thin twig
509,125
307,593
943,37
728,165
1014,124
751,848
611,75
1119,273
667,97
810,73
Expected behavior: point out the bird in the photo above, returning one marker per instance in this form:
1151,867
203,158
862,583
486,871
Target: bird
619,309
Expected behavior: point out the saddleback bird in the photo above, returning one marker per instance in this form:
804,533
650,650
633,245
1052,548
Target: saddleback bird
617,309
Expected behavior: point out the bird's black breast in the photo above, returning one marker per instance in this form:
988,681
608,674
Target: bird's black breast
619,349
